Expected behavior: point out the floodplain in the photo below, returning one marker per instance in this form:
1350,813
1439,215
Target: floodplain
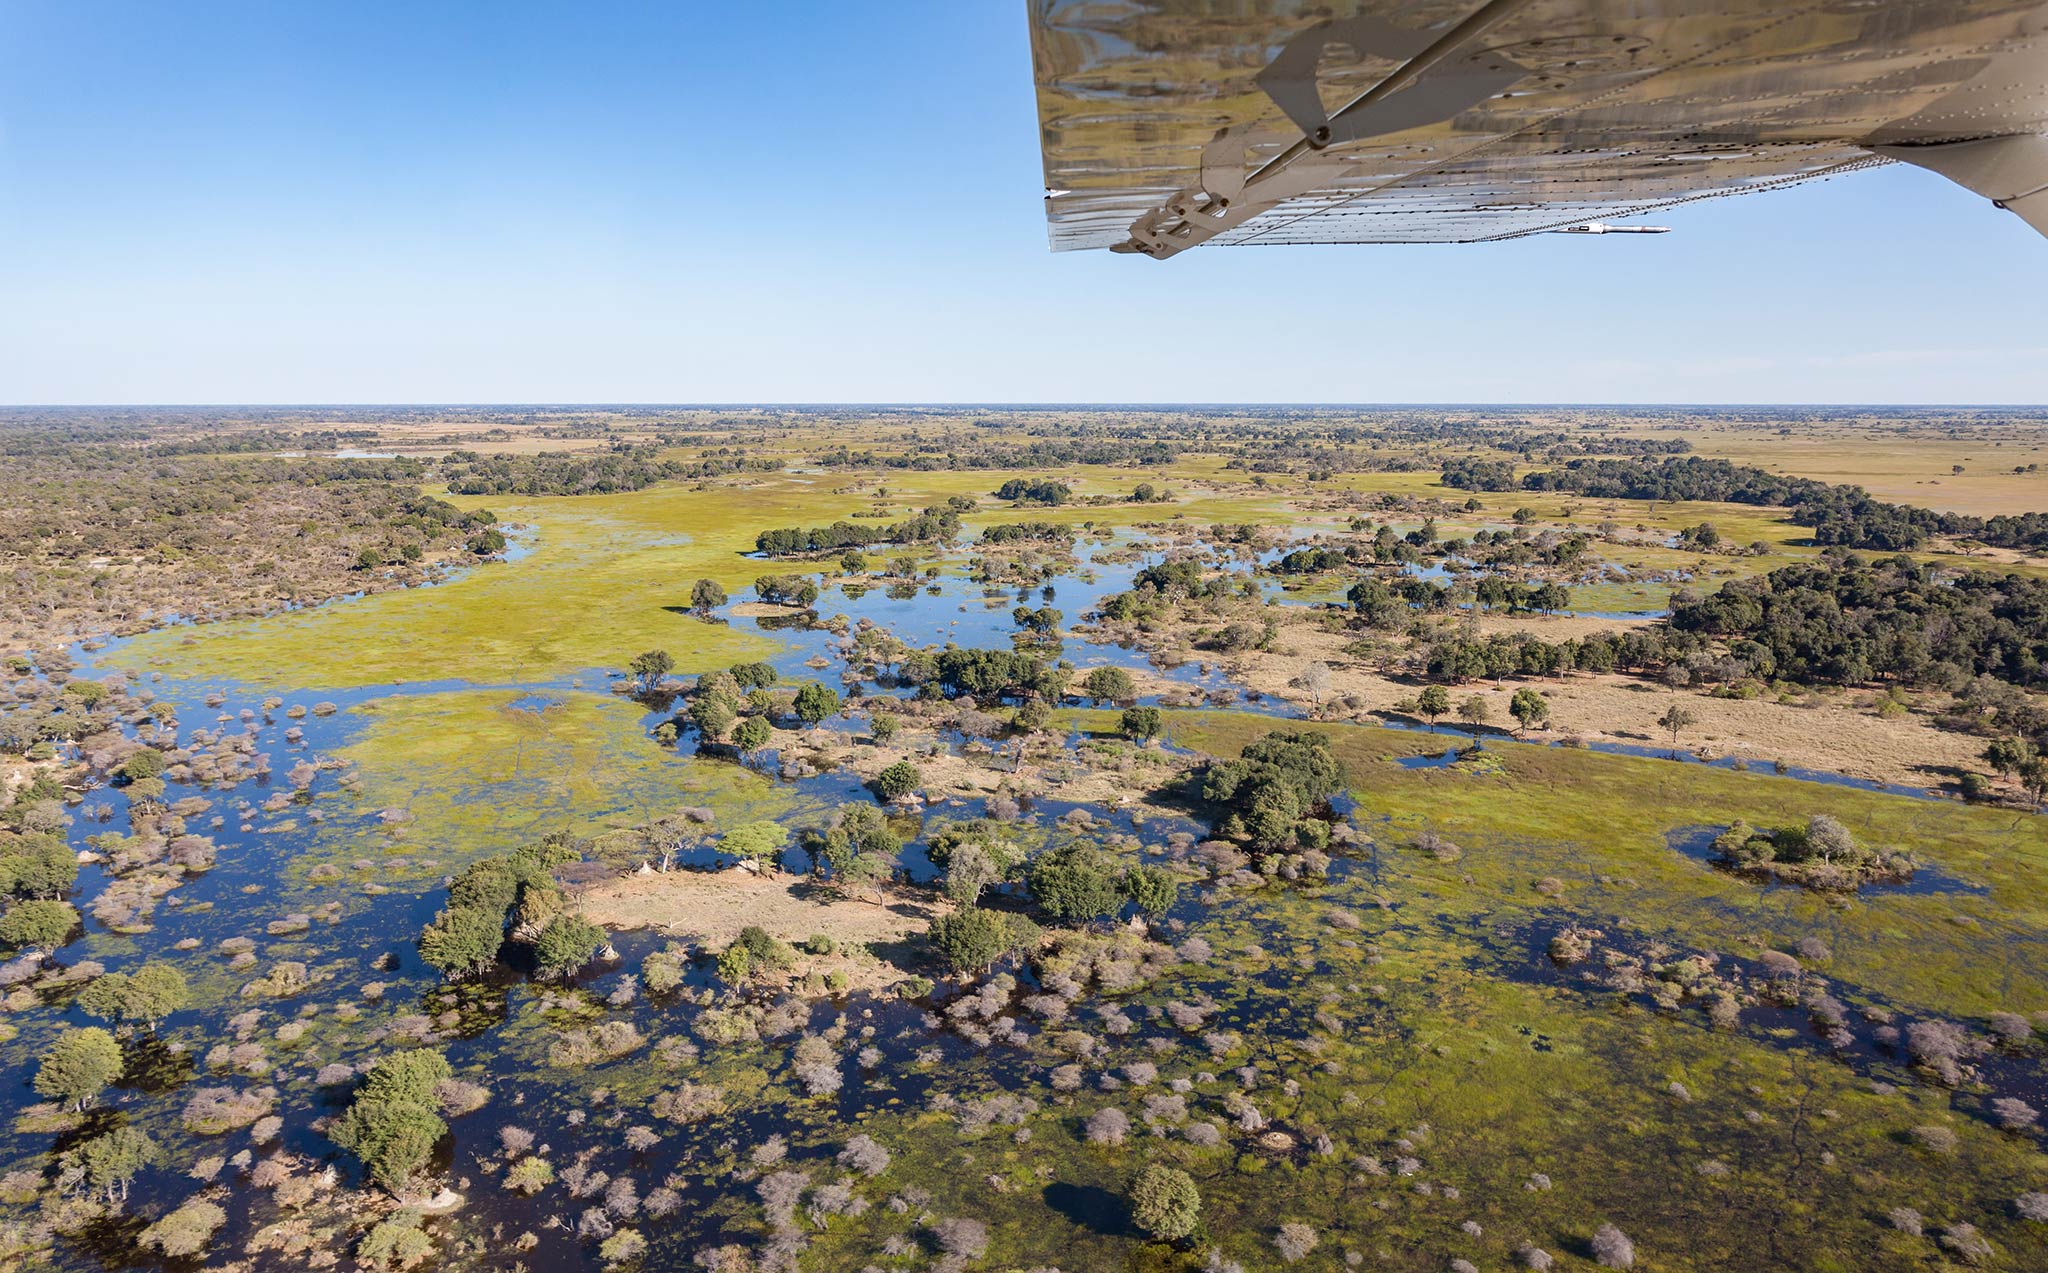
932,839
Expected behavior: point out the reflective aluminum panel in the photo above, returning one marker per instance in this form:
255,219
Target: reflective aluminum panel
1170,123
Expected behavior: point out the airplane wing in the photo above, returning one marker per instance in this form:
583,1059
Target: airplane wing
1171,123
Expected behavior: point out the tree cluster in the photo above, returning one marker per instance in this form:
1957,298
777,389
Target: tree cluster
505,901
1847,621
1276,792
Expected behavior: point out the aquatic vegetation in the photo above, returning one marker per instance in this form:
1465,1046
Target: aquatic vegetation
469,771
1147,986
1821,854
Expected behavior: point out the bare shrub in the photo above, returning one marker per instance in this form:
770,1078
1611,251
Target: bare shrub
457,1097
961,1237
1939,1046
1107,1126
213,1110
2014,1115
863,1155
689,1102
780,1192
1294,1240
1965,1245
1612,1248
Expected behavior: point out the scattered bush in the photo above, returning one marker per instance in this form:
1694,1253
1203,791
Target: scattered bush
897,781
186,1231
1165,1203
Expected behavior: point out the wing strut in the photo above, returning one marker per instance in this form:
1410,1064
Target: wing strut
1438,78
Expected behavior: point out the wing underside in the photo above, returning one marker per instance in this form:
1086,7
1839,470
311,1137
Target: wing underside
1170,123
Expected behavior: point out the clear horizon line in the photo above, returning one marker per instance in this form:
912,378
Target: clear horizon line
1028,405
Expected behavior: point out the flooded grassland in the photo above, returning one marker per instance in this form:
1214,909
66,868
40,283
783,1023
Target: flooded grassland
1498,1011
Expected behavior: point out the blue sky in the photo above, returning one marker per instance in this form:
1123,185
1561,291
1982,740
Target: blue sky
836,202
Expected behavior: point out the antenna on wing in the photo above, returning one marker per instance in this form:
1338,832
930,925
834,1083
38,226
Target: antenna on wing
1601,227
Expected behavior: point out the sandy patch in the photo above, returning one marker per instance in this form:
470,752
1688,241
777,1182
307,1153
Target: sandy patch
709,908
1831,733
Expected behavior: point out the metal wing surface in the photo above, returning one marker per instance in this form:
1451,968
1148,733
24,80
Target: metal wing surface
1171,123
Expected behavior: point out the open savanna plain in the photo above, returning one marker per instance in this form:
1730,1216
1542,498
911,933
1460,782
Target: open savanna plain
1171,840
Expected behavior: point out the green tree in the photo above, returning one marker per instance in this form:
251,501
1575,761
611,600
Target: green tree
713,714
79,1066
463,941
2007,756
147,763
1074,882
1433,702
858,830
489,885
1274,788
883,726
144,997
566,944
1152,888
38,925
970,939
864,876
754,734
393,1139
1140,723
396,1243
897,781
1528,708
1473,711
37,866
758,842
1165,1203
650,667
754,953
969,872
814,702
108,1163
1677,718
1110,685
391,1126
706,595
2034,777
410,1074
1033,715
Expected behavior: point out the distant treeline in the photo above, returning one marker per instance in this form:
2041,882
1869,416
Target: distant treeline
936,524
1058,453
575,473
1846,516
265,440
555,473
